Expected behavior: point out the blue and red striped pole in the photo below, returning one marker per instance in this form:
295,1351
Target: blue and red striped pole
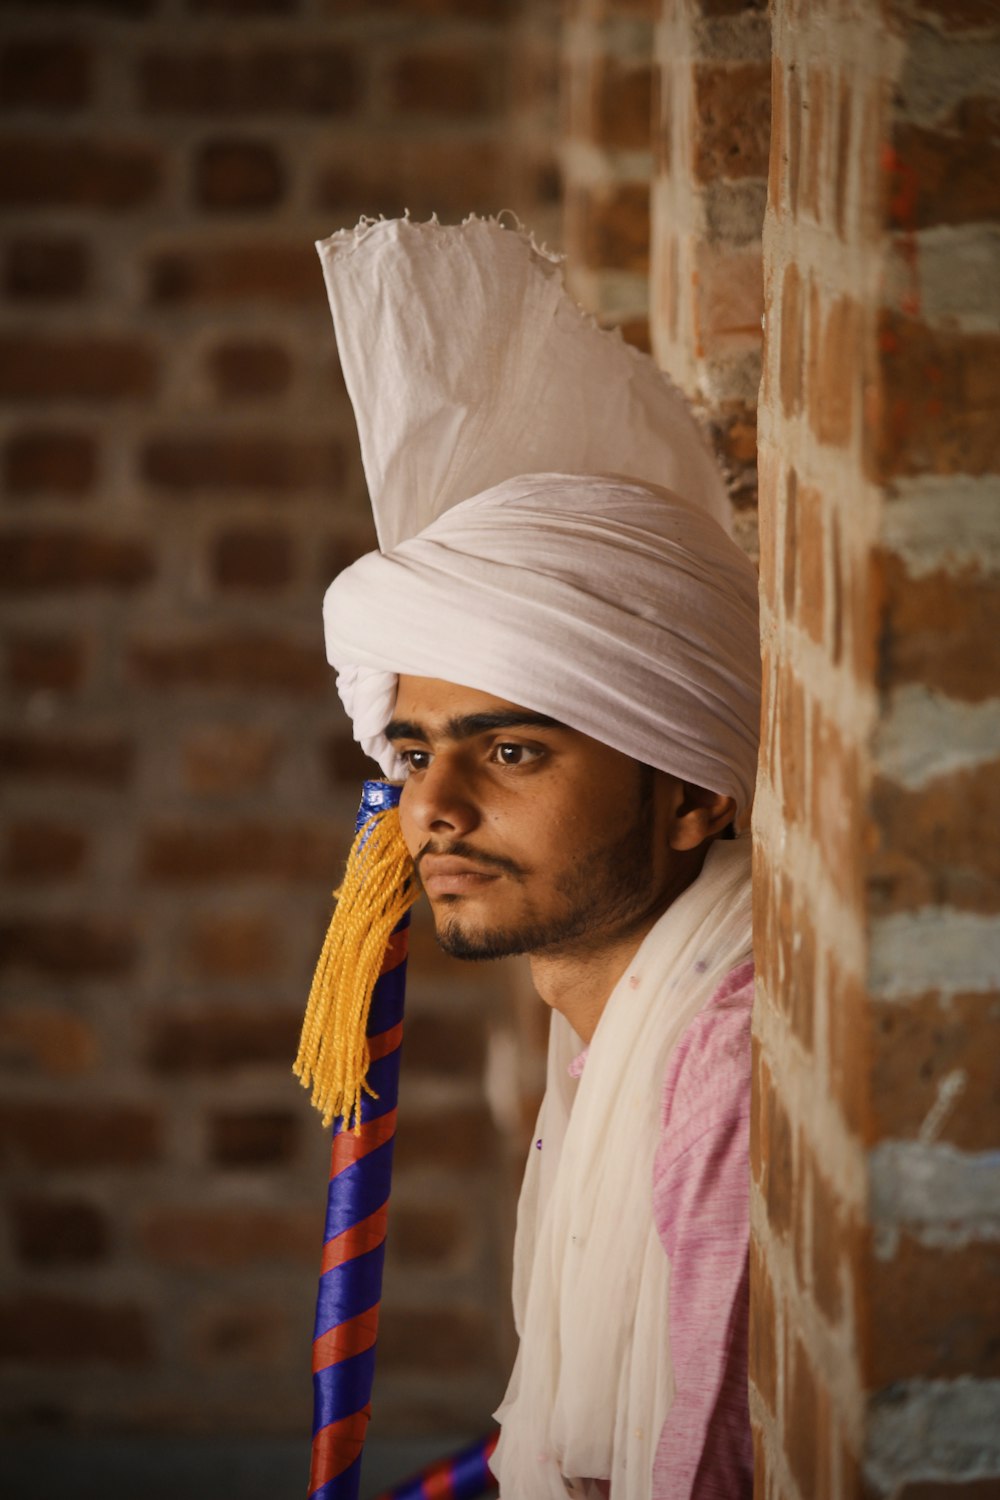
464,1476
350,1285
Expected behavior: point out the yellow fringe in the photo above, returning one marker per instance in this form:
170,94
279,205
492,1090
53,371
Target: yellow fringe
377,889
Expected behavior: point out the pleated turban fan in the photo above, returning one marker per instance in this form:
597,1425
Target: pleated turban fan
552,527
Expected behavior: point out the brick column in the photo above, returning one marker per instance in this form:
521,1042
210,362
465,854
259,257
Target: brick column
875,1203
711,131
607,163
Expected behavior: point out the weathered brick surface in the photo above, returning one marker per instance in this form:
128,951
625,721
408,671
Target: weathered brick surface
868,1097
47,1329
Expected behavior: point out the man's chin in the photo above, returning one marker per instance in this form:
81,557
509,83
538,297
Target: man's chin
460,940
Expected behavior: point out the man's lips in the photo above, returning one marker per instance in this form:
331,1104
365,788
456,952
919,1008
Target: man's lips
447,875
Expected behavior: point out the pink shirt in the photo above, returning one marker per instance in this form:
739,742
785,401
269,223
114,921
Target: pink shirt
701,1204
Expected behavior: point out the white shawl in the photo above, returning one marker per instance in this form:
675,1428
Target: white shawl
593,1380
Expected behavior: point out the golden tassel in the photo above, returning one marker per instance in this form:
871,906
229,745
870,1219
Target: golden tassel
378,888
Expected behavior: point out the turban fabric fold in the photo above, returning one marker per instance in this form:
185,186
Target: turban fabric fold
553,528
626,613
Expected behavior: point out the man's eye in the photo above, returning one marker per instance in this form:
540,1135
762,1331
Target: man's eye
415,760
514,755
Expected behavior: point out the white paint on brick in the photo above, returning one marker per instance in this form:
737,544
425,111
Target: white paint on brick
925,735
926,1187
934,1429
954,278
935,948
949,1088
949,521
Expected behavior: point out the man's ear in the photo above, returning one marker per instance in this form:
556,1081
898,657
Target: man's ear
699,815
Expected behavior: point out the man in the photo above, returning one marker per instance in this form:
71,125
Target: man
561,663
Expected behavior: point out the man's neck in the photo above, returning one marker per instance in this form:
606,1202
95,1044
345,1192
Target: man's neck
577,980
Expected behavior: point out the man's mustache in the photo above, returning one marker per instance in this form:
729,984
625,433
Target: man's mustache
460,850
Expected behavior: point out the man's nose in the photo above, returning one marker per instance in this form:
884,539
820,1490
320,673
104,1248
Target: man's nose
442,800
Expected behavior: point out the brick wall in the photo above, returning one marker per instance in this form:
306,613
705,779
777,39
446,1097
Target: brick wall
711,133
181,481
874,1207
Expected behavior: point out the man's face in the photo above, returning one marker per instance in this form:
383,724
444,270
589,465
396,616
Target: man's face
528,837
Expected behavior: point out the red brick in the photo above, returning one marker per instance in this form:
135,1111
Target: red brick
828,1248
792,744
71,172
67,947
621,105
44,74
731,120
935,1312
931,850
243,851
84,367
58,460
40,267
849,1046
45,663
244,367
924,1043
59,1231
844,155
246,662
103,759
449,83
253,1138
777,149
832,378
763,1330
45,1039
835,805
790,351
230,1236
229,759
31,561
46,1329
816,174
610,227
40,850
445,1340
80,1135
811,582
793,139
242,462
801,1420
238,273
960,16
935,409
233,945
223,1039
232,175
770,474
948,175
254,80
456,1139
941,629
776,1153
252,559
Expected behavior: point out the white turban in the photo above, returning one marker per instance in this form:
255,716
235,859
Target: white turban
514,454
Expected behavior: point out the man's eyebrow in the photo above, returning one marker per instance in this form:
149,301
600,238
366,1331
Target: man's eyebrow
467,726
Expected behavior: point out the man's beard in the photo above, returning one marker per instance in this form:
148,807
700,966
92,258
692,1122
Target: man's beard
611,892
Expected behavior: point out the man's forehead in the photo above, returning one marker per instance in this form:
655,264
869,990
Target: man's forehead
451,710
